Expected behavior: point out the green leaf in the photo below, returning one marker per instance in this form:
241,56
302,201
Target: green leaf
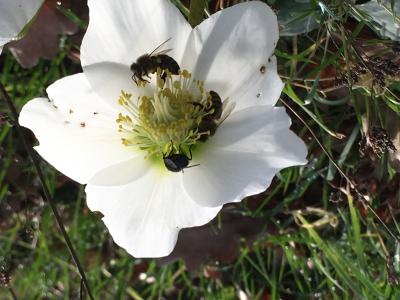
196,14
384,16
296,17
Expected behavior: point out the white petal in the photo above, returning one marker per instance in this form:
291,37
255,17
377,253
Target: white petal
121,173
145,216
262,130
109,79
244,155
77,132
14,15
121,30
233,52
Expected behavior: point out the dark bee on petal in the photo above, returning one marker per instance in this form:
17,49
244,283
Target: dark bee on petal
207,127
216,105
218,112
148,64
176,162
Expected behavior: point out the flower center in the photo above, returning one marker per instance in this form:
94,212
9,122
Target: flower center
169,115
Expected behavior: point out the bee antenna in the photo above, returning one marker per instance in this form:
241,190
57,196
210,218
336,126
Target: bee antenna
196,165
159,46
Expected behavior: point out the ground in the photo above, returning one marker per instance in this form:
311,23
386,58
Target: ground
327,230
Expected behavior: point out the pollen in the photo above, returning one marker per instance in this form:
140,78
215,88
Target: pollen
167,112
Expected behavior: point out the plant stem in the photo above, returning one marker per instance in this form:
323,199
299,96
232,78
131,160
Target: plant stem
13,294
36,163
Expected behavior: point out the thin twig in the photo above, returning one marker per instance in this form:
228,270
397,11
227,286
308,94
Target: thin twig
81,290
344,175
36,163
13,294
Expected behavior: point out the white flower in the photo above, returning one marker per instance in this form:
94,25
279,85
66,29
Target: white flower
103,130
14,15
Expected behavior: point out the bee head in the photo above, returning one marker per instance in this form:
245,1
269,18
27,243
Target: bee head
134,67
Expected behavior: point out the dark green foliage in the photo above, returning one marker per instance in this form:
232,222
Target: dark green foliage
317,238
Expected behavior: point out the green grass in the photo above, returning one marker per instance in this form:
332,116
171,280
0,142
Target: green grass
337,250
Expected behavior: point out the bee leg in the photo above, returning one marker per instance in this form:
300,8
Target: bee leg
134,79
143,80
164,75
190,152
196,104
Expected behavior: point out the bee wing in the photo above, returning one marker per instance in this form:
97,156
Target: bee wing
227,108
158,48
161,52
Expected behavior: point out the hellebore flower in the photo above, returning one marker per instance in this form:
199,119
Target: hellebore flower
14,15
125,137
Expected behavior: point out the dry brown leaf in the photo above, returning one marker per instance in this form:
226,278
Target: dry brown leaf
43,37
209,242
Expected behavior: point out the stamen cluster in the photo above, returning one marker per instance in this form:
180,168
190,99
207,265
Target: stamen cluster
169,115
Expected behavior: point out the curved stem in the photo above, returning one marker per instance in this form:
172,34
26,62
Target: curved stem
12,293
36,163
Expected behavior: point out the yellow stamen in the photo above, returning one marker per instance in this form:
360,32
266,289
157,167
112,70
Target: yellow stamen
170,115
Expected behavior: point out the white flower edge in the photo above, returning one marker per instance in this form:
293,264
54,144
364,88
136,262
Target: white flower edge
14,15
232,50
234,54
251,146
76,130
145,215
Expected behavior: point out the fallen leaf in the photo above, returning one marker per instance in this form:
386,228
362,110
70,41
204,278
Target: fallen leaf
219,241
43,37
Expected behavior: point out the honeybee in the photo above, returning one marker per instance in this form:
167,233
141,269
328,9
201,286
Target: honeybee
148,64
176,162
219,112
